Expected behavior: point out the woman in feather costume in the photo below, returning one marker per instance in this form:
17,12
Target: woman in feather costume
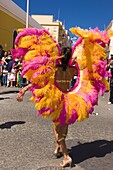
41,55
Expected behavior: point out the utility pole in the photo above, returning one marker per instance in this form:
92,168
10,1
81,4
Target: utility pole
27,15
58,14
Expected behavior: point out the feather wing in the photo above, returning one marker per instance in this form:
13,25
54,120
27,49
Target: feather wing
40,54
88,53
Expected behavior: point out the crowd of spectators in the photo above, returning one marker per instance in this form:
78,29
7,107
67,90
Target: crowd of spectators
10,70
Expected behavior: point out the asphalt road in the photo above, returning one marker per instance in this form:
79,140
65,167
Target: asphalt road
27,141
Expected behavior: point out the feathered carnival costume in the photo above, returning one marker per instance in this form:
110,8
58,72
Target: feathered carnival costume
40,54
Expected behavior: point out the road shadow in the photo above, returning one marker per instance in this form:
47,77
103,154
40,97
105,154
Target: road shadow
8,125
84,151
3,98
10,91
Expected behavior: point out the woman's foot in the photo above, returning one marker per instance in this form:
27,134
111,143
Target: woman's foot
66,162
57,152
109,102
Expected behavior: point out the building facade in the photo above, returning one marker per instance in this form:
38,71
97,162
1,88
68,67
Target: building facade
12,17
110,47
55,28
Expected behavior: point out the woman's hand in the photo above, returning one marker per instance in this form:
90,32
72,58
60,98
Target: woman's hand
19,97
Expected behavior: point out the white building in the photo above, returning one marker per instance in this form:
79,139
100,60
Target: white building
55,28
110,27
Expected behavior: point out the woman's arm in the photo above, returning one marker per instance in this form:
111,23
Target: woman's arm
20,95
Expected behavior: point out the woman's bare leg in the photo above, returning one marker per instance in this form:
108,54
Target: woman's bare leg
62,133
56,138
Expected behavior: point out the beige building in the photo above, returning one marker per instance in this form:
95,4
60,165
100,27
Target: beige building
55,28
110,49
12,17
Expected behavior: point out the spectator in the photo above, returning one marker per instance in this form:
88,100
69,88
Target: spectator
1,51
5,72
9,68
1,67
110,66
73,81
19,79
4,76
12,76
4,58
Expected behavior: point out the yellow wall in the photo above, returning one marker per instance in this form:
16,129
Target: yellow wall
7,26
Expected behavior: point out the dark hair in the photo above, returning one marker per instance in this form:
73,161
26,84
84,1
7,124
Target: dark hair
111,56
66,52
1,47
0,57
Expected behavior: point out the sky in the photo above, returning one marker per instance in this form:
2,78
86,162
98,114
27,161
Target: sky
82,13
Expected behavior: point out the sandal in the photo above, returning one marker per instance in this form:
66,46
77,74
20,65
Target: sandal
66,162
57,153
